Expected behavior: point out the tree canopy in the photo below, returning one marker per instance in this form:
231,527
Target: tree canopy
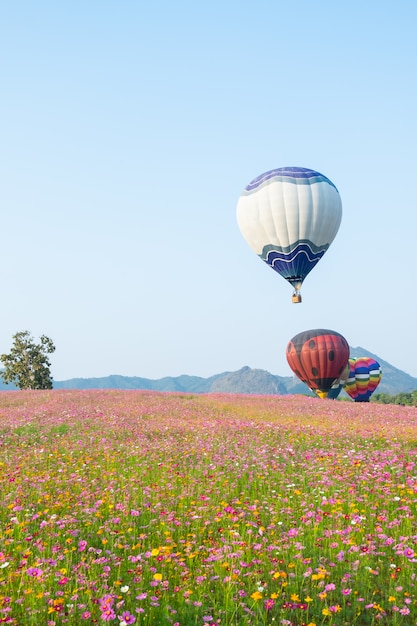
27,365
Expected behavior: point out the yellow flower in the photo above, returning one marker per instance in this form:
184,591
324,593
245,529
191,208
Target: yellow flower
295,597
391,599
155,552
308,599
256,596
326,611
157,576
274,596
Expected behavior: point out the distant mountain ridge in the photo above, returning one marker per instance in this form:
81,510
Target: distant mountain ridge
244,381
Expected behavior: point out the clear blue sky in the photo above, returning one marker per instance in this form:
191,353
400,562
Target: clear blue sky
128,131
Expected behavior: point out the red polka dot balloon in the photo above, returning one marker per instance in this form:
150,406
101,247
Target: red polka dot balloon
318,357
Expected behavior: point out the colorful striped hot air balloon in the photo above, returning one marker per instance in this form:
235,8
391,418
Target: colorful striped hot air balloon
289,216
364,377
318,357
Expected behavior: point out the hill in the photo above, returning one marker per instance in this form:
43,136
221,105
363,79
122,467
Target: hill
245,381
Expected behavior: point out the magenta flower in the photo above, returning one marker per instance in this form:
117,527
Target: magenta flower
128,618
141,596
108,615
34,571
105,602
82,545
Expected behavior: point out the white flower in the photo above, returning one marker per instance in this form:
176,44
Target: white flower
5,564
124,589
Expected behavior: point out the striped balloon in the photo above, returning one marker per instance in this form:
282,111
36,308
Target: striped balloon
364,377
289,216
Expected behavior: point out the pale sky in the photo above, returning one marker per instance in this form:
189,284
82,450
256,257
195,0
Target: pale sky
129,130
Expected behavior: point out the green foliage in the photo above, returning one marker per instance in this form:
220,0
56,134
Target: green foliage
405,399
27,365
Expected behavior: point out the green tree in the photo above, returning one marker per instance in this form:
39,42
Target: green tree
27,365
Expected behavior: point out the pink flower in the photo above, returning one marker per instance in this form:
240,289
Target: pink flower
106,602
108,615
141,596
128,618
82,545
34,571
346,592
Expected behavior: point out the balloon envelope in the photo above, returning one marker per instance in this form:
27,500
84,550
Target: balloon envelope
318,357
289,216
337,387
364,377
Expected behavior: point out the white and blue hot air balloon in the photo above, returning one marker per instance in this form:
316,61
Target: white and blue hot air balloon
289,216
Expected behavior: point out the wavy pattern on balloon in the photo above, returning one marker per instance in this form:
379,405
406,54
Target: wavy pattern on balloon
293,262
289,216
296,175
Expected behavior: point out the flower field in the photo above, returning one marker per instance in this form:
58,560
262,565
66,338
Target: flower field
135,507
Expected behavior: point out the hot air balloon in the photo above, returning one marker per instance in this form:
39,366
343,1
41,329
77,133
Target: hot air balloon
289,216
318,357
364,377
337,387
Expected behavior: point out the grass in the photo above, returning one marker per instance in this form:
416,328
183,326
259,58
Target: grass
151,508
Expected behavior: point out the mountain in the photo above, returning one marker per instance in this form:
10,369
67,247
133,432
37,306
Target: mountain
393,380
245,381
